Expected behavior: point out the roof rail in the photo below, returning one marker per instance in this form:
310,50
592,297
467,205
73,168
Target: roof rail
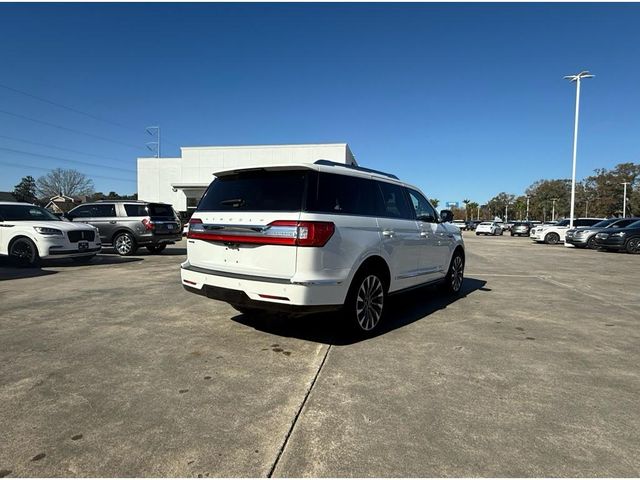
329,163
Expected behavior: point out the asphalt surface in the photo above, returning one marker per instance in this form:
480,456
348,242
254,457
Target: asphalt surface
112,369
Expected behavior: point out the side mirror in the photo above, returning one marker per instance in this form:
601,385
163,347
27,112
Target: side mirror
446,216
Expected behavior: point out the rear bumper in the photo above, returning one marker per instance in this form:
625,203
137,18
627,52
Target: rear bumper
155,239
264,293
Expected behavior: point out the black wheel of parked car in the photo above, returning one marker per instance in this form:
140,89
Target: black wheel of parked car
365,302
552,238
477,234
124,244
633,245
83,260
455,276
23,252
591,243
513,234
156,248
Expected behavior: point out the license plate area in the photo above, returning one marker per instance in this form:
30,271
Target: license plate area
83,246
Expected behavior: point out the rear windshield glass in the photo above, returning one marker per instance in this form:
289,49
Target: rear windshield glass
255,191
159,210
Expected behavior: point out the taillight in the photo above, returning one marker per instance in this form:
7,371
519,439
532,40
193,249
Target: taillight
195,226
280,232
148,224
307,234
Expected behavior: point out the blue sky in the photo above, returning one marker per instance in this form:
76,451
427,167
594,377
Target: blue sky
463,100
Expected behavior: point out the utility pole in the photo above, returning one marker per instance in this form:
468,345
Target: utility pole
155,147
478,212
575,78
553,212
624,200
527,208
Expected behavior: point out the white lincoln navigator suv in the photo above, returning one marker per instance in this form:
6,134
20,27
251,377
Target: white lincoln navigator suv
318,237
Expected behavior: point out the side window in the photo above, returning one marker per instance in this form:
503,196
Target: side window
134,210
81,212
394,202
104,210
422,207
344,194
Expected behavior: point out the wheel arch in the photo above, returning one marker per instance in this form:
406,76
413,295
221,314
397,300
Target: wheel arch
375,262
19,236
123,230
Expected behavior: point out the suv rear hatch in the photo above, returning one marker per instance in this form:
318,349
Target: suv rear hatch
163,219
248,222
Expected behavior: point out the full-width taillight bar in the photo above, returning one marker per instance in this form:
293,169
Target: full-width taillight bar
280,232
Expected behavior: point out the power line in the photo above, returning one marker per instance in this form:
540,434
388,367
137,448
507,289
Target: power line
74,110
80,152
22,165
61,159
69,129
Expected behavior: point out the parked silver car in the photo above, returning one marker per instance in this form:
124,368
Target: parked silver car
129,224
582,237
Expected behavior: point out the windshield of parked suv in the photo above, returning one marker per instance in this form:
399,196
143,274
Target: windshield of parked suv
256,190
605,223
27,213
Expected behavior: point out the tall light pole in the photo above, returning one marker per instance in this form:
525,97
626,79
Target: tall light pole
624,199
575,78
553,211
527,208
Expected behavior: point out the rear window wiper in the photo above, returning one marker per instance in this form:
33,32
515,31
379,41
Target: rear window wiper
234,202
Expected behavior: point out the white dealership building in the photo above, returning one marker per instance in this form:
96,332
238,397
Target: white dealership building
181,181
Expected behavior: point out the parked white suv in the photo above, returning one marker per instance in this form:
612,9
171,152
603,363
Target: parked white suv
29,233
553,234
318,237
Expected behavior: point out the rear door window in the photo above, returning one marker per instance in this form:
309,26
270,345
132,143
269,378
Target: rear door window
394,202
135,210
256,191
343,194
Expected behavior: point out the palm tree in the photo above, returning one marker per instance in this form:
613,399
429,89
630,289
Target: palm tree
434,202
466,202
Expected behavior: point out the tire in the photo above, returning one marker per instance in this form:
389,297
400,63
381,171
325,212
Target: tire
24,253
513,234
83,260
633,245
124,244
552,238
455,275
501,232
477,234
591,243
155,249
364,307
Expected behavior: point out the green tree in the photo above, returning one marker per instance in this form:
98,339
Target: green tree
498,203
541,195
434,202
25,191
466,202
606,189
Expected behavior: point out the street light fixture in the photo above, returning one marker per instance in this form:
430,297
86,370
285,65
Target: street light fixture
575,78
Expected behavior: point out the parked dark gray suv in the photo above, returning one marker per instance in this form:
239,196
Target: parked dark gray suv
127,224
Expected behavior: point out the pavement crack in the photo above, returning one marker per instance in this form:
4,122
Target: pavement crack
297,415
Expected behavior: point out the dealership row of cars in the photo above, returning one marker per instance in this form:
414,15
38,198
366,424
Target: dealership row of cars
29,233
621,234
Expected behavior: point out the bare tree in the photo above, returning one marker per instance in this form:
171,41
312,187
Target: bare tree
64,182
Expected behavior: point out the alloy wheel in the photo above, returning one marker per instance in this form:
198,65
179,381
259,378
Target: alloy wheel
633,245
457,273
23,251
124,244
369,303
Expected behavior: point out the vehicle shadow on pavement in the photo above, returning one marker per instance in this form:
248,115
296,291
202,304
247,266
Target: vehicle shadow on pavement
329,328
9,271
142,252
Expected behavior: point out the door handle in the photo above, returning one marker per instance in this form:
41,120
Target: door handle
388,233
424,234
113,221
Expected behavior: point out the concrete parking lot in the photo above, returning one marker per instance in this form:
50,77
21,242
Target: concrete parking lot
111,369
